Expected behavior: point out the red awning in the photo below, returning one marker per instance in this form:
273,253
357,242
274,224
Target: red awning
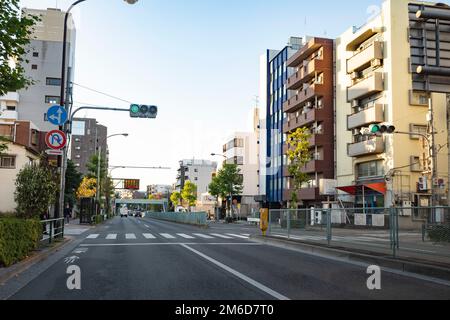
353,190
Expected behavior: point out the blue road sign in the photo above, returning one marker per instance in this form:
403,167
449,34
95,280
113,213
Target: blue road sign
57,115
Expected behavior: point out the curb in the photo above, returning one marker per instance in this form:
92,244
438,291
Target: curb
36,257
402,265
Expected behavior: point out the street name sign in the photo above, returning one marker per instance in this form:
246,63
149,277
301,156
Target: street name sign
56,139
57,115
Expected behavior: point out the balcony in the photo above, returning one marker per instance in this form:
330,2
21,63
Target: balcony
314,166
302,120
363,58
318,140
296,102
372,146
366,87
366,117
305,73
303,194
11,96
9,115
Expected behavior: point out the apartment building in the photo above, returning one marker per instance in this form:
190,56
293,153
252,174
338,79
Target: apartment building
374,85
199,172
310,105
273,94
87,137
44,68
25,146
159,190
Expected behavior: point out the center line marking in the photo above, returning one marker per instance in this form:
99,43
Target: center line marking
241,276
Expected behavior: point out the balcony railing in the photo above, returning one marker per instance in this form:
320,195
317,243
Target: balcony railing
363,58
374,114
305,74
302,120
11,96
371,146
368,86
10,115
299,100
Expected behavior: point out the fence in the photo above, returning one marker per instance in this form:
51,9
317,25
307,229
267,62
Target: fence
411,232
52,229
194,218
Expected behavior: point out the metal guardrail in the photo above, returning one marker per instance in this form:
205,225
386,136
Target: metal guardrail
52,229
194,218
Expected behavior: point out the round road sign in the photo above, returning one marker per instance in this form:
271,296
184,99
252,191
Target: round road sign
56,139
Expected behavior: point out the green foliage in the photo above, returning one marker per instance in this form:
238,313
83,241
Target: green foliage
189,193
15,34
175,198
18,237
298,155
73,181
3,144
227,181
35,190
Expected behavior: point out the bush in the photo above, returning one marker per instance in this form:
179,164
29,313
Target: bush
439,233
18,237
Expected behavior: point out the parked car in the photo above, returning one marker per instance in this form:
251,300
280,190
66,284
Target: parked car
138,214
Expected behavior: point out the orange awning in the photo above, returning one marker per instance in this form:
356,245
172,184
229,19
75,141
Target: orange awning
379,187
353,190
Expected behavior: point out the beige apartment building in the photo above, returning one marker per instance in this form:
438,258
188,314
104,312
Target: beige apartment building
374,85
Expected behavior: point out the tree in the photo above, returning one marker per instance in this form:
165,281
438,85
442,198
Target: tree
15,36
228,181
175,198
189,194
87,188
73,181
3,144
299,155
35,190
92,167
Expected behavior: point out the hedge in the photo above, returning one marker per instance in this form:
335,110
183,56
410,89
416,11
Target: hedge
18,237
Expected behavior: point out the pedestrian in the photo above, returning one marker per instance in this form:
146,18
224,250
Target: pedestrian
67,213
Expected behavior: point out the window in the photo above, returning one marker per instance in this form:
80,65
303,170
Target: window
77,148
419,128
35,54
416,165
52,100
195,179
7,162
34,137
78,156
11,108
370,169
53,81
196,170
34,67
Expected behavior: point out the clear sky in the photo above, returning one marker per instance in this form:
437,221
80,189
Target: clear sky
198,60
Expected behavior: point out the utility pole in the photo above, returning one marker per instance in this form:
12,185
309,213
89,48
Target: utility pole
433,152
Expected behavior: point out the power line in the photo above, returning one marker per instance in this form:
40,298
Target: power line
102,93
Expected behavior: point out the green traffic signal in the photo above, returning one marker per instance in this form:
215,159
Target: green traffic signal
375,128
135,108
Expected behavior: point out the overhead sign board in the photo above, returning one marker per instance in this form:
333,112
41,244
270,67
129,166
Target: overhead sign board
131,184
429,39
56,139
57,115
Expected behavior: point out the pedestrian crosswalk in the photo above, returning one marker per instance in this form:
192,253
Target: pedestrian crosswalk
167,236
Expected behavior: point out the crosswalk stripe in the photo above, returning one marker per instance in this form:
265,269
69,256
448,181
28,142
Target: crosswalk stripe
130,236
167,236
221,236
185,236
204,236
148,236
237,236
93,236
111,236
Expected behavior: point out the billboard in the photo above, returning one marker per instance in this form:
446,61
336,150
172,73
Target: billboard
429,39
131,184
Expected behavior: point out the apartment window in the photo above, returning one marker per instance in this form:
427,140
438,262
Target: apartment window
196,170
52,100
195,179
77,148
416,165
53,81
7,162
370,169
35,54
77,140
34,67
418,128
34,137
11,108
78,156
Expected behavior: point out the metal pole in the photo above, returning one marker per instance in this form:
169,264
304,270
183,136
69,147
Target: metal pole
99,159
433,152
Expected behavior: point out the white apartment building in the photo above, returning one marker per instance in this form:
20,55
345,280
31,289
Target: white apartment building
199,172
44,68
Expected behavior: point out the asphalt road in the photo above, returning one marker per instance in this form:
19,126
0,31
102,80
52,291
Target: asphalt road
130,258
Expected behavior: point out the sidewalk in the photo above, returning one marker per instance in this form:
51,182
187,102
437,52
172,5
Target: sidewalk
74,228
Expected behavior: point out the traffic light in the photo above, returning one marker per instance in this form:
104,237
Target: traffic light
384,128
143,111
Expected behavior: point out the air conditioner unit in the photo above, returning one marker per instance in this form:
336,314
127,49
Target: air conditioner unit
354,75
309,104
376,63
317,156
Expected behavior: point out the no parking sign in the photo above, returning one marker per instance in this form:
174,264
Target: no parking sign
56,139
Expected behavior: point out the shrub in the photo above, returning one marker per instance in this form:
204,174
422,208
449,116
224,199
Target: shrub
18,237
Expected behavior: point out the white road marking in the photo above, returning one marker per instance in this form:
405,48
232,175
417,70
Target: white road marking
93,236
130,236
167,236
220,236
241,276
183,235
148,236
111,236
237,236
146,226
204,236
251,244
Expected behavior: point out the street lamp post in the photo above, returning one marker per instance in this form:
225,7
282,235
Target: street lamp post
231,184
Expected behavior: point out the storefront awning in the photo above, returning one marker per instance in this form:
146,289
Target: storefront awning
379,187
